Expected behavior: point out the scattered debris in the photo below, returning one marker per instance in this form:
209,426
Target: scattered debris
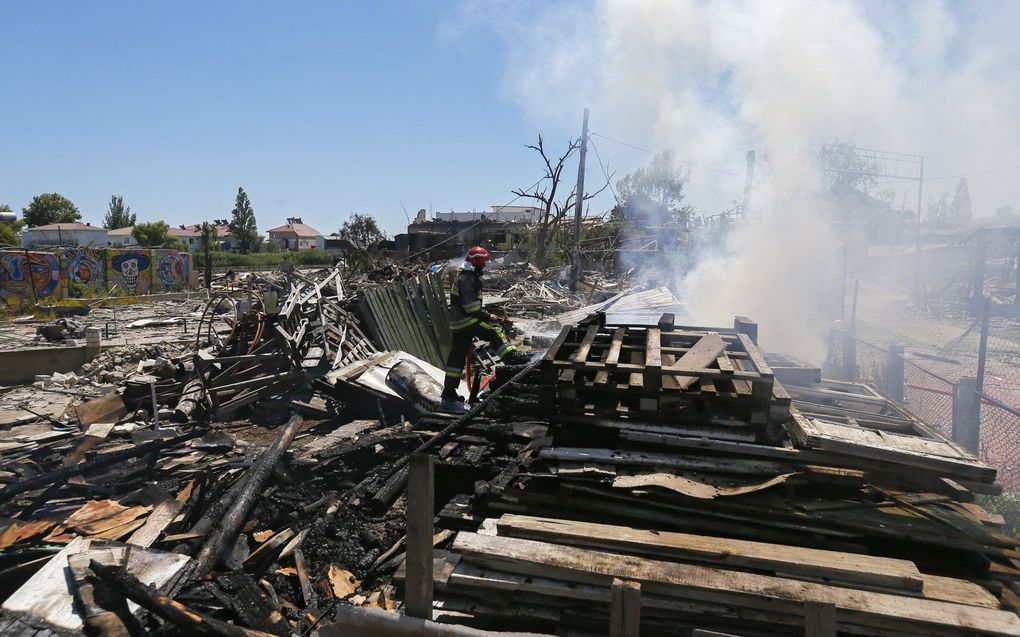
252,479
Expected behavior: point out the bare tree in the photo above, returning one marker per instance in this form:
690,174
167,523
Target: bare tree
545,193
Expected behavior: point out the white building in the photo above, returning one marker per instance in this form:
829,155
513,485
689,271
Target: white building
66,234
519,214
121,238
190,236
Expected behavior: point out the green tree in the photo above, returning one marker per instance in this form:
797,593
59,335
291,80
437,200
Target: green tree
653,194
118,215
242,223
209,245
8,231
362,231
50,208
209,237
156,234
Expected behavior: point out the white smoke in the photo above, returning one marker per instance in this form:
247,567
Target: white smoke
713,79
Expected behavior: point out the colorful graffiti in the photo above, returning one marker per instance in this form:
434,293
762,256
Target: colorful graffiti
85,266
64,272
131,271
174,269
27,274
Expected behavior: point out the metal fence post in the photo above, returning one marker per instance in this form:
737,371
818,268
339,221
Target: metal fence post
849,355
966,414
894,374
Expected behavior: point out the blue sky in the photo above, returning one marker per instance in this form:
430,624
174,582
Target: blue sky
318,109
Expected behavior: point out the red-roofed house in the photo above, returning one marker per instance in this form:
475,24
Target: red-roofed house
297,236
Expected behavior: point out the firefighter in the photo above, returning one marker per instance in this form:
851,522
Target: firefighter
468,320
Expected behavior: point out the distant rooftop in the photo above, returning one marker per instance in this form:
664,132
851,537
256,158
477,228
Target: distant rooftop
300,229
68,226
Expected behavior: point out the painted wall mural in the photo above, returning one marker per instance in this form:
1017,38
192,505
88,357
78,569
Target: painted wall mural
173,269
24,274
66,271
84,267
130,270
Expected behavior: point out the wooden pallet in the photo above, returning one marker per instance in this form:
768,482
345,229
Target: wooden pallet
667,370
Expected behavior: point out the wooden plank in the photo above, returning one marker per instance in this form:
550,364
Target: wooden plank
303,579
97,432
661,460
878,610
581,355
625,609
613,357
704,353
793,560
885,446
158,520
724,363
653,360
819,619
553,351
108,408
420,494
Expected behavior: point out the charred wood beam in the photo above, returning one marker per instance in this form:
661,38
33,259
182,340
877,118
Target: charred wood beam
192,396
118,579
106,460
235,517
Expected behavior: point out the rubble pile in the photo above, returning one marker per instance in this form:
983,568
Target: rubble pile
267,478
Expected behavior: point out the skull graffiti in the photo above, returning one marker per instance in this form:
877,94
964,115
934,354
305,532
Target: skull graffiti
129,269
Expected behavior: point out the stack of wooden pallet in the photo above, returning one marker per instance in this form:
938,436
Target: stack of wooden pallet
646,479
542,569
682,375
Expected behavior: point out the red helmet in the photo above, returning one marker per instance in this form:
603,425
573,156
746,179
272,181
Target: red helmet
478,256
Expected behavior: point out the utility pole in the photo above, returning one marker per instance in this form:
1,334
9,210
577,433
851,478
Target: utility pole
579,204
748,182
917,238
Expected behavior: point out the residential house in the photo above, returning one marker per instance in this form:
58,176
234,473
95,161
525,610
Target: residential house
64,234
297,236
190,236
121,238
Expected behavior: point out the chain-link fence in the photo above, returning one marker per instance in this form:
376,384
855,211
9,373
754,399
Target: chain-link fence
949,407
1000,440
929,396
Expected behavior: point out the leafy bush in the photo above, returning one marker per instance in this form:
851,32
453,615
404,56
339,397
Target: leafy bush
264,259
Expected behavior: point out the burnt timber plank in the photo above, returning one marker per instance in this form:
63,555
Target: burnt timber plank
854,607
794,560
581,355
703,354
615,346
653,360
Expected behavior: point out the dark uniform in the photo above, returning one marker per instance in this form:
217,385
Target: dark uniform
469,321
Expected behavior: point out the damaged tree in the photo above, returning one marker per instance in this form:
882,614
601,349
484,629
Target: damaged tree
546,192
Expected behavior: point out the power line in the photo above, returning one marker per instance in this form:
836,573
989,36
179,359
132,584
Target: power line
604,172
679,161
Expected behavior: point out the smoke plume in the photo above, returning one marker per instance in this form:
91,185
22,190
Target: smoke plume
711,80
